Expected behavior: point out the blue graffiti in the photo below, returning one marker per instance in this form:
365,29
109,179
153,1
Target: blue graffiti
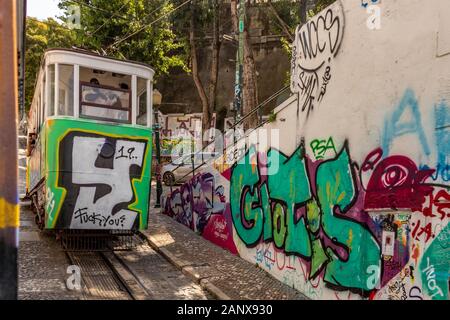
393,128
365,3
442,138
442,116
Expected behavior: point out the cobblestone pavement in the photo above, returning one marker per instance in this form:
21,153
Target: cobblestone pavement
42,264
235,277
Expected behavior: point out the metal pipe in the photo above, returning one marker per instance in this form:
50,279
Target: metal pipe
158,159
149,103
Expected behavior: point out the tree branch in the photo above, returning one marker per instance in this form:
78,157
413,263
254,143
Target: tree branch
283,24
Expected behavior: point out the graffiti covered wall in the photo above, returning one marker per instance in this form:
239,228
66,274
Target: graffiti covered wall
354,201
178,129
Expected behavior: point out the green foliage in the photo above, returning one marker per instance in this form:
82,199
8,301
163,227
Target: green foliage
290,12
139,30
272,117
103,24
320,5
41,35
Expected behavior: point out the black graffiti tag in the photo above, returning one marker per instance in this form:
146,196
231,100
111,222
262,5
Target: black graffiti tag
319,40
85,217
126,155
316,45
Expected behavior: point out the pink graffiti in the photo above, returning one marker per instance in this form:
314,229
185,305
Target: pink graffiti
201,205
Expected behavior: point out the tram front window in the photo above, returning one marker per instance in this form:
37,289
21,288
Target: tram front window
105,95
105,103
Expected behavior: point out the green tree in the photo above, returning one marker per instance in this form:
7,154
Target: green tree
40,36
198,26
138,30
285,15
165,34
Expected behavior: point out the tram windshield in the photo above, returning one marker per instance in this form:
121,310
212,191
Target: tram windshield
105,95
105,103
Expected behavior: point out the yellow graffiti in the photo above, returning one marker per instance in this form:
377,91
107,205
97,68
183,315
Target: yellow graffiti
9,214
350,239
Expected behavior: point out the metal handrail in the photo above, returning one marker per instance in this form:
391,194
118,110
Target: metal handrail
256,109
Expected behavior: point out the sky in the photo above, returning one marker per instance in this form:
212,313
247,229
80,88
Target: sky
42,9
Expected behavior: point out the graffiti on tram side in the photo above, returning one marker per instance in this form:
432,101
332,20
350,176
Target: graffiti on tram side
101,178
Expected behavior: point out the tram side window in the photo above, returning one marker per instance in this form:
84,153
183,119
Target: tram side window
51,96
42,92
41,113
142,102
65,87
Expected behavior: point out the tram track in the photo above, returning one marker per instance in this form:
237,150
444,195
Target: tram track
135,272
105,277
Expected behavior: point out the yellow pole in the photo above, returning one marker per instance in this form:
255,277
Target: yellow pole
9,210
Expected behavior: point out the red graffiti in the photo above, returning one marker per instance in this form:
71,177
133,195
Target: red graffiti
441,200
419,231
396,183
371,159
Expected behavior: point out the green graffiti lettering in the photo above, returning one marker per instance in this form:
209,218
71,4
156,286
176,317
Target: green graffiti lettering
290,185
343,248
434,267
336,190
249,223
313,216
320,147
279,225
265,205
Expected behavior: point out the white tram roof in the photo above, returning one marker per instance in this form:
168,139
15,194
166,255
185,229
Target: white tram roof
92,60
